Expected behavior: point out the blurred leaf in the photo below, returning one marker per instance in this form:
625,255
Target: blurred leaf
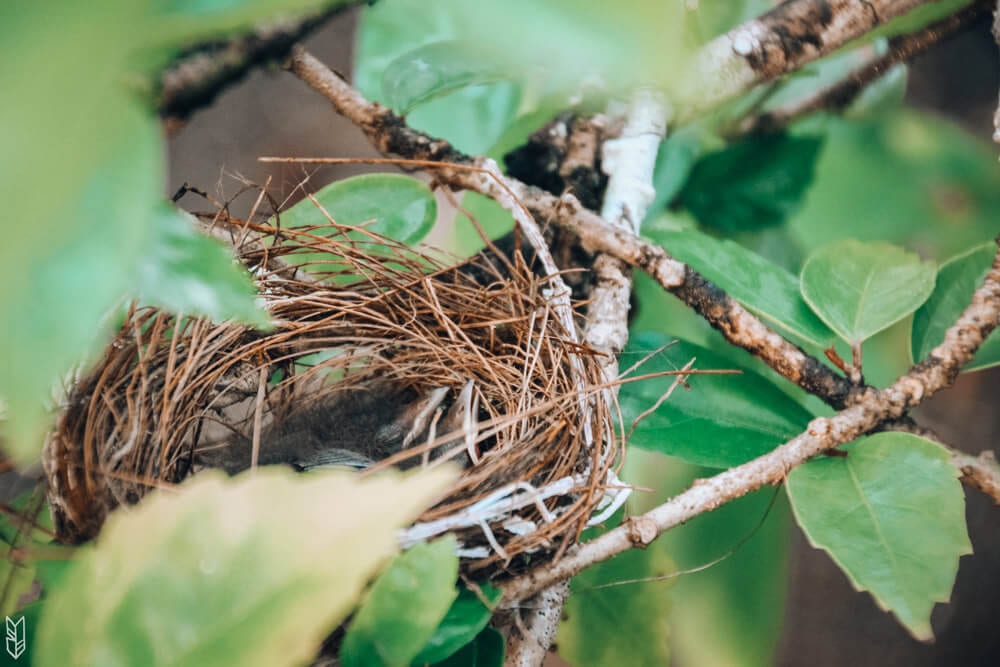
486,651
472,118
465,619
53,313
618,624
756,183
859,289
16,579
714,17
187,272
391,205
185,21
919,17
884,94
731,611
891,514
763,287
720,421
253,570
404,607
957,279
912,179
434,70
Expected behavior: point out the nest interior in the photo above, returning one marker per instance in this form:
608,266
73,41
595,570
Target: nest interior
355,315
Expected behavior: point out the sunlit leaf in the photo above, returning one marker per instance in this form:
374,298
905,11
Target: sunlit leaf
253,570
187,272
892,515
466,618
859,289
404,607
763,287
720,421
756,183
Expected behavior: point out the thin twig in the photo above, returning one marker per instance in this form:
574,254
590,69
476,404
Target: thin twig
824,433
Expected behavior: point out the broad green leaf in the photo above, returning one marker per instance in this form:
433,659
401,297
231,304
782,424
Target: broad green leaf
403,608
253,570
391,205
486,651
187,272
16,579
957,279
891,514
618,624
763,287
472,118
756,183
53,313
184,21
859,289
720,421
938,189
434,70
465,619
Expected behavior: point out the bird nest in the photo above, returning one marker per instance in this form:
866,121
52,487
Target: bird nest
377,349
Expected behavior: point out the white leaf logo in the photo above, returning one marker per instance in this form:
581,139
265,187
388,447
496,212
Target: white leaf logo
15,637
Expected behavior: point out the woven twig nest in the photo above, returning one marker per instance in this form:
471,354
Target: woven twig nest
362,321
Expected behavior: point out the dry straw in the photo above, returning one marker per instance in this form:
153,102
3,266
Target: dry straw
352,312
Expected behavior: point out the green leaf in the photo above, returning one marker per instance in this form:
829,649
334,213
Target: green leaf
404,607
486,651
472,118
859,289
465,619
391,205
721,421
765,288
185,21
253,570
618,624
434,70
187,272
957,279
937,186
891,514
53,311
754,184
675,159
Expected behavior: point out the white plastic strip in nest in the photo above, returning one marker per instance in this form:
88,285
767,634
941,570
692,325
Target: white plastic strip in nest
501,505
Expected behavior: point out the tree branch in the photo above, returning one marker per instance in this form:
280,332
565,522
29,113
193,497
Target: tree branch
390,134
824,433
529,639
782,40
841,94
980,472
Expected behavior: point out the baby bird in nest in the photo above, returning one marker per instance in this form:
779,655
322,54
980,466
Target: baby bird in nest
354,430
